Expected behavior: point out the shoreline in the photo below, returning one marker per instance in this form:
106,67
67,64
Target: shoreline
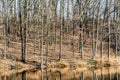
9,68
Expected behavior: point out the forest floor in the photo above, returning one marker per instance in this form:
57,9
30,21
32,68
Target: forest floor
69,59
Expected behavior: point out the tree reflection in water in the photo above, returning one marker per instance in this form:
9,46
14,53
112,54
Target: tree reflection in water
74,75
42,75
60,75
95,77
47,78
116,76
24,75
5,78
101,74
82,74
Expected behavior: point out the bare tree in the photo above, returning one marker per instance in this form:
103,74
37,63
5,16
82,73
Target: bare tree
6,30
61,26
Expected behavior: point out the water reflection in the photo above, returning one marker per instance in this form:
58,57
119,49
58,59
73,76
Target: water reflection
47,78
4,77
101,74
24,75
41,75
82,74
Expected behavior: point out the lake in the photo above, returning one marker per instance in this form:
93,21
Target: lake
66,74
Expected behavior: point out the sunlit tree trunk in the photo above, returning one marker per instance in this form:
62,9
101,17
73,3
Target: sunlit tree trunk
55,28
24,33
61,27
67,19
115,24
93,34
116,16
6,31
2,14
81,27
21,29
101,50
73,26
118,26
41,48
47,29
109,20
54,3
98,22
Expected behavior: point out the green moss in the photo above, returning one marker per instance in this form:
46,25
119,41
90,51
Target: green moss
92,68
92,62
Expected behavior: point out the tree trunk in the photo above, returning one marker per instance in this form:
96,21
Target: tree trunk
6,31
61,27
98,21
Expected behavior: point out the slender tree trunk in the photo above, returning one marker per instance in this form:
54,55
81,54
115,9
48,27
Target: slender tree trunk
101,50
98,21
93,36
6,31
21,29
109,40
54,3
73,26
116,16
25,29
61,27
41,49
47,31
67,19
94,40
35,39
81,28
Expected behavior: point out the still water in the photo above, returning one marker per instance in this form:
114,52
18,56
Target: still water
69,74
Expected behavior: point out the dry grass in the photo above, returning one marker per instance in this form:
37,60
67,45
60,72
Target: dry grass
34,59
